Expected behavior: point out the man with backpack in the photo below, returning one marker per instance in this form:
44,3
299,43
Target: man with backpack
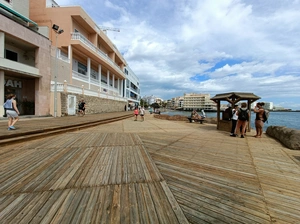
243,118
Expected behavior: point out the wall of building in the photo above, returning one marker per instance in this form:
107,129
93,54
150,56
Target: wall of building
21,7
94,105
41,45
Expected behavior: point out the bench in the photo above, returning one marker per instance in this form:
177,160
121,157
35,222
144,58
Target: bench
196,120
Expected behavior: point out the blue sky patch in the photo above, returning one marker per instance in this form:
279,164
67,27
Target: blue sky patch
199,78
222,63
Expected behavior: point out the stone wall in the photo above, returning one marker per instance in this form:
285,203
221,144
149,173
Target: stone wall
287,136
209,120
94,105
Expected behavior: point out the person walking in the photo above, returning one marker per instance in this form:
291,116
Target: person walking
136,113
81,107
12,111
142,113
234,120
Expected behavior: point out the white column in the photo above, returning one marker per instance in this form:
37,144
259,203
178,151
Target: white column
122,89
118,87
113,81
99,74
2,92
89,71
70,52
2,42
107,81
70,56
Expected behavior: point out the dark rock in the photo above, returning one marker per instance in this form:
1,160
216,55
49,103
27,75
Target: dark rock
287,136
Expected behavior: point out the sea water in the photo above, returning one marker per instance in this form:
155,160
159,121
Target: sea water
287,119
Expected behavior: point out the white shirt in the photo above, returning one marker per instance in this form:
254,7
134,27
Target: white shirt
234,116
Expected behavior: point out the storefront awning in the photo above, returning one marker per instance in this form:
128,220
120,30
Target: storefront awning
15,13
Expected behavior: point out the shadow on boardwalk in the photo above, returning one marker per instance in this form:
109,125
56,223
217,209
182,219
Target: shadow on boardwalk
154,171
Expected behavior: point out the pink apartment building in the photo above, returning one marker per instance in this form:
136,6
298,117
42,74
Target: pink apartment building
87,64
24,60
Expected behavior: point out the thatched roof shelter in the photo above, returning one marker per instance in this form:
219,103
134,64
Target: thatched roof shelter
233,98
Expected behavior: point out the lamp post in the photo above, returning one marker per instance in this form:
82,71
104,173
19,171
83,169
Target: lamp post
57,31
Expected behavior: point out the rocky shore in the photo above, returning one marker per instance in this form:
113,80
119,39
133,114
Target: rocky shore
287,136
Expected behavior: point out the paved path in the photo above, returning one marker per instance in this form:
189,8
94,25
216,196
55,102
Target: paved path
155,171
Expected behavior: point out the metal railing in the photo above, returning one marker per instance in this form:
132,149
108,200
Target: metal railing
102,92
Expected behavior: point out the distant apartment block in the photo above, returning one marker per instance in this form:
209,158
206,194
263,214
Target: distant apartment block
24,60
177,102
194,101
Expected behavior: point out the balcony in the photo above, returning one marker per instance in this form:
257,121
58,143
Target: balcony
91,46
102,92
18,67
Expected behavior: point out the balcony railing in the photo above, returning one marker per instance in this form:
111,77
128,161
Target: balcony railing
104,87
89,44
102,93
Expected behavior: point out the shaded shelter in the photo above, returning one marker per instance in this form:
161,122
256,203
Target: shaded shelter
232,98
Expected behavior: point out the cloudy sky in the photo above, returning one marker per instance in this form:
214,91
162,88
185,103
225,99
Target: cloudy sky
205,46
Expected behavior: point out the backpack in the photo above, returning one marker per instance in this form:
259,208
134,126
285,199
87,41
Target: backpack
243,115
266,116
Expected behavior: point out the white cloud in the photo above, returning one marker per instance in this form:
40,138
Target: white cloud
168,43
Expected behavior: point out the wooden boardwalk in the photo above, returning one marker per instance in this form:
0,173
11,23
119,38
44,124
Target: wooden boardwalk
154,171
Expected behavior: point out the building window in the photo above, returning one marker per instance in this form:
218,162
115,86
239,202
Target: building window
82,69
94,74
11,55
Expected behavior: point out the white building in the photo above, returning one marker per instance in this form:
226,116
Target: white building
177,102
132,87
195,101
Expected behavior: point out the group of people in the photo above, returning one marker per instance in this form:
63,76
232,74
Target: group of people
240,119
195,115
139,111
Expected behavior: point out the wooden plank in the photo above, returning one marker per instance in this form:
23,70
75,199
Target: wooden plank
125,205
31,208
150,205
115,215
107,205
175,207
76,214
158,207
46,210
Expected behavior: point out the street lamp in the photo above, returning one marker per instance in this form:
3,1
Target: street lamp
57,31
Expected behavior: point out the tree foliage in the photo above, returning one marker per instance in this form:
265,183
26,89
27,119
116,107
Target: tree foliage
155,105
